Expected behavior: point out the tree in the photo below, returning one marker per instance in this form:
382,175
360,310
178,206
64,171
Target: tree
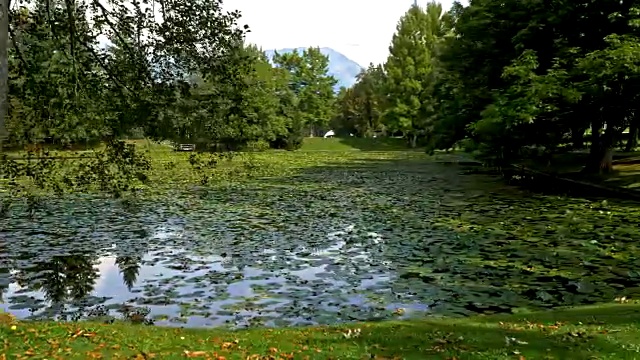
614,78
359,108
51,99
107,93
311,84
410,72
520,75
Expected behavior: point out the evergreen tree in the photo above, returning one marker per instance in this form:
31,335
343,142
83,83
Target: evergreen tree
410,71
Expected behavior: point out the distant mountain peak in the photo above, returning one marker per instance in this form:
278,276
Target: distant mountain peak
341,67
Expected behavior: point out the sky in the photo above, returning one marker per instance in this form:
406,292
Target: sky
360,29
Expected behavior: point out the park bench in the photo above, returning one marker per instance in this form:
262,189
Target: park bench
185,147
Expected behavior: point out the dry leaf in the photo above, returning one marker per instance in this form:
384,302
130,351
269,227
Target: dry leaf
192,354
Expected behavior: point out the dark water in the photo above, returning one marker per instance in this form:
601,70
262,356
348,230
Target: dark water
331,245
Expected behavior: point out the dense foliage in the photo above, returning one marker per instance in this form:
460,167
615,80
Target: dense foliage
506,79
69,85
81,73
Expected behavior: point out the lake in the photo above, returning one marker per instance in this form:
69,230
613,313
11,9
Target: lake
376,240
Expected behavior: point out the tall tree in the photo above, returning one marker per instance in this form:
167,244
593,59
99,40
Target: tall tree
410,72
51,98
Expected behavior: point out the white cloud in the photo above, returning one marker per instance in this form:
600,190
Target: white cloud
360,29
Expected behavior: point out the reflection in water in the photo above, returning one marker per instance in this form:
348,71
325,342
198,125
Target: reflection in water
5,278
129,268
61,278
252,255
297,286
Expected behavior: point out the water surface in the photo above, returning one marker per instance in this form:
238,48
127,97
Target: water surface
333,244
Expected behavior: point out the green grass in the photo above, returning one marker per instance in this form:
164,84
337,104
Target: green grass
355,144
309,144
610,331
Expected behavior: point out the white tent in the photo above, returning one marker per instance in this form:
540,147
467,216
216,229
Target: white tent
329,133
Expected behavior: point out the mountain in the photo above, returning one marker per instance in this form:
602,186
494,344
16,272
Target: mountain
341,67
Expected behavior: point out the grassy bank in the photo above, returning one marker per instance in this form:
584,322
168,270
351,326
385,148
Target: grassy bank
356,144
609,331
309,144
171,170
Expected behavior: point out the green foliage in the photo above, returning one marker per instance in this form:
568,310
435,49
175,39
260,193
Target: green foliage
66,89
410,72
359,109
313,88
115,170
183,74
503,77
506,77
510,97
53,96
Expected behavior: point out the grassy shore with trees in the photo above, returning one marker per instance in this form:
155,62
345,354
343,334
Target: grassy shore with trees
93,97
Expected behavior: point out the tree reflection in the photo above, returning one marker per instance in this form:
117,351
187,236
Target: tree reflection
70,277
129,267
5,280
5,275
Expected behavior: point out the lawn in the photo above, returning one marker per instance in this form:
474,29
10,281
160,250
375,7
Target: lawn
356,144
610,331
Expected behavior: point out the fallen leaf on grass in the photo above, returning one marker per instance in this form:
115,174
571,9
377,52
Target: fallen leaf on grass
83,334
192,354
93,355
6,318
399,311
227,345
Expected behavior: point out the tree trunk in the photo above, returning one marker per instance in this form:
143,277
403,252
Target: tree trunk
413,140
4,68
600,159
632,142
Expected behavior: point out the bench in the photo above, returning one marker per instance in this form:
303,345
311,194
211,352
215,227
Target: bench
185,147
